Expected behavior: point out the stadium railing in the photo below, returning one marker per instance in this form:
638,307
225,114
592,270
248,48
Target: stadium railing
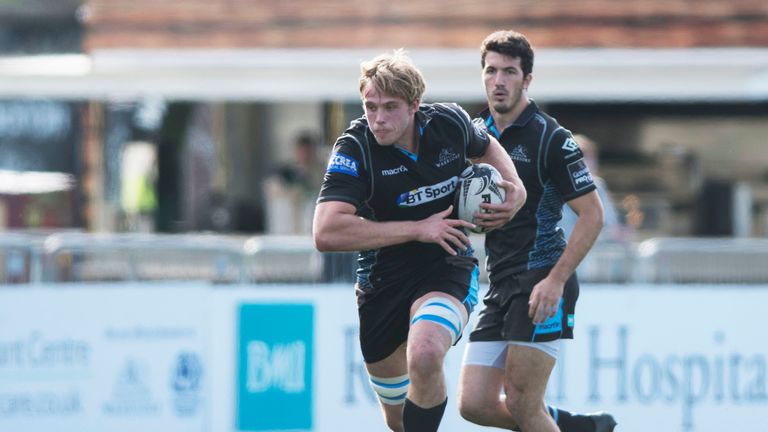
81,257
20,257
702,260
282,258
90,257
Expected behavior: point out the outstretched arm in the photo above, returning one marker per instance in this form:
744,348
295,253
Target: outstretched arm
336,227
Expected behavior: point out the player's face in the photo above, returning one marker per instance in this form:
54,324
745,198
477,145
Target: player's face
504,82
390,118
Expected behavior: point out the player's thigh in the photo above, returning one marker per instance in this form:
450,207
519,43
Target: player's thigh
389,379
480,385
527,372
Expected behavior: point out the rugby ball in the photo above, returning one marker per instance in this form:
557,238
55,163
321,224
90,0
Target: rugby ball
477,185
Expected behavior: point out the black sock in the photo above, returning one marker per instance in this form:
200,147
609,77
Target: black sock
570,422
418,419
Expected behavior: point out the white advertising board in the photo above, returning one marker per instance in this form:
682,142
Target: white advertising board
186,357
103,358
660,358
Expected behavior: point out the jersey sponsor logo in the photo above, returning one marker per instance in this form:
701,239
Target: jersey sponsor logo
427,194
446,156
579,173
341,163
394,171
519,154
570,145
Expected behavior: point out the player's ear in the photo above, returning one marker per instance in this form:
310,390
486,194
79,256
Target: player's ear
415,105
527,81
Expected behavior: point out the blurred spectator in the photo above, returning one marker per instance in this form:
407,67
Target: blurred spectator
225,214
613,229
291,189
139,175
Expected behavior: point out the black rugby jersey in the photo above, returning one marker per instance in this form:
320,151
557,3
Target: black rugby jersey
553,170
385,184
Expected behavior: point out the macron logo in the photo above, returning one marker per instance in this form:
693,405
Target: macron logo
394,171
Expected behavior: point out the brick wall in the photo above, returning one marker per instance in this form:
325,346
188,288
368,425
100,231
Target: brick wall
423,23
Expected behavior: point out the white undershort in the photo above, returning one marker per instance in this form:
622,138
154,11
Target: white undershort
494,353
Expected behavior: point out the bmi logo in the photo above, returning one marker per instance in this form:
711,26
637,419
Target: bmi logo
275,367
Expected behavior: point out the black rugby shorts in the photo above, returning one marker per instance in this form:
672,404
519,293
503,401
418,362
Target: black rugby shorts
505,314
385,311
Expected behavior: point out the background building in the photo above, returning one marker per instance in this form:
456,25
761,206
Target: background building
675,93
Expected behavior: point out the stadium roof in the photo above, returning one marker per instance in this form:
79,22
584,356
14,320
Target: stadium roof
560,75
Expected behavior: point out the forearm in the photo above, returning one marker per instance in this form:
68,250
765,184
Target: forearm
349,232
583,237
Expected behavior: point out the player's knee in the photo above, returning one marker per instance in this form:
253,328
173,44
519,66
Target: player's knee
516,410
425,360
516,398
471,410
520,403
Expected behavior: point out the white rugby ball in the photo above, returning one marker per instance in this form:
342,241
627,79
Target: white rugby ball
478,184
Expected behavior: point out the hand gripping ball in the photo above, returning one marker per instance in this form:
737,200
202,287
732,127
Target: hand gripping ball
478,184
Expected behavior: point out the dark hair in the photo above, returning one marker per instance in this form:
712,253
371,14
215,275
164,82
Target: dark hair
509,43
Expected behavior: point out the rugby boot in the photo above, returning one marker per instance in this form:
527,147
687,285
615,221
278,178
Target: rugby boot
604,422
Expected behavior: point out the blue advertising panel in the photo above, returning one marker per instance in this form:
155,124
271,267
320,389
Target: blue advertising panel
274,390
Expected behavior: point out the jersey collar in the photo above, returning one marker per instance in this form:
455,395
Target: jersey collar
528,113
422,119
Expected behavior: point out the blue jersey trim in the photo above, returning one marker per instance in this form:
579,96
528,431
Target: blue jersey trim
413,156
474,286
551,325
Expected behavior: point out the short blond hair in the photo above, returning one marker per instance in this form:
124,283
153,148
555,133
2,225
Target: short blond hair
393,75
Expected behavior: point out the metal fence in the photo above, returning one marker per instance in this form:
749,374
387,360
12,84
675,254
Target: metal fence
36,257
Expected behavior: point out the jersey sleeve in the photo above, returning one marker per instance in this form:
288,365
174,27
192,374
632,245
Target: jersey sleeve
346,177
478,142
566,167
480,129
477,139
